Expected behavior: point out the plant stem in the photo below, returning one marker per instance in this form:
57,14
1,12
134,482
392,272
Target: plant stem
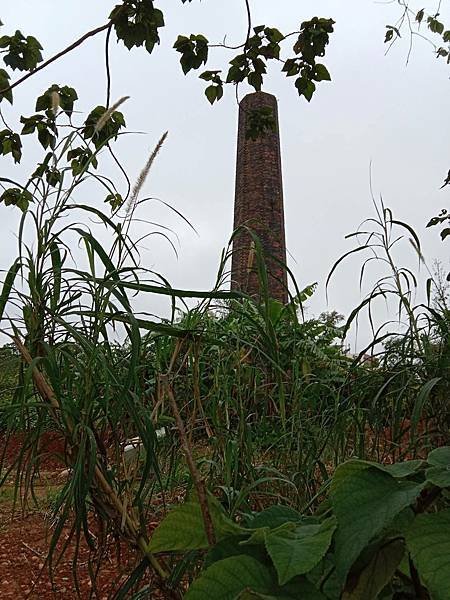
72,46
196,477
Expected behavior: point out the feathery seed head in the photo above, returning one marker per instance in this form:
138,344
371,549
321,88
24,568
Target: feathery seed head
108,113
143,174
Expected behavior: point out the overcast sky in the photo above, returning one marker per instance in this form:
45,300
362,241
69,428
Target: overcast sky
376,110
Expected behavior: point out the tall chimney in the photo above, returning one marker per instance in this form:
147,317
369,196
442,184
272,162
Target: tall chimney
258,204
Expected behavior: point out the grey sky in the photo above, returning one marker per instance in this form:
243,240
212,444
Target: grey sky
375,109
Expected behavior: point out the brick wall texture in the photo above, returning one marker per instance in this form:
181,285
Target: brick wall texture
259,204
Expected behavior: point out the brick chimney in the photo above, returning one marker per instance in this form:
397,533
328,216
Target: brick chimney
258,204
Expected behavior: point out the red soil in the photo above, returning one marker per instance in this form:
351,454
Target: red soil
25,537
23,573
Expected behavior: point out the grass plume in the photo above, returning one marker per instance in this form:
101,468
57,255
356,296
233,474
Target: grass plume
108,114
143,174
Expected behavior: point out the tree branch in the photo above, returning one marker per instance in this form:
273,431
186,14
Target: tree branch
57,56
107,67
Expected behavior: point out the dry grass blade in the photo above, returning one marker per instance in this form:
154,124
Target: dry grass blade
107,114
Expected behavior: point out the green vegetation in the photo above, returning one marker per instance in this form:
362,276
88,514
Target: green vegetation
306,472
356,545
264,414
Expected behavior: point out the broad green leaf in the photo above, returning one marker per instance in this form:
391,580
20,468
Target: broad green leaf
403,469
378,573
324,577
4,85
211,93
274,516
259,535
297,552
300,589
440,457
439,473
249,595
439,476
228,578
428,541
183,528
321,73
232,546
400,524
365,500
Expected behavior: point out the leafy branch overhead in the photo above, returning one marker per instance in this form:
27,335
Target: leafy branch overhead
260,48
413,22
137,23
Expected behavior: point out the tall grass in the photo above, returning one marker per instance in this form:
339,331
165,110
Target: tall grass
258,402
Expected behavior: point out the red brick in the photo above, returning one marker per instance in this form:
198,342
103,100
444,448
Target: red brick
259,204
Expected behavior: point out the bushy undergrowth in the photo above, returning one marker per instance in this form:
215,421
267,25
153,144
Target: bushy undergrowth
260,406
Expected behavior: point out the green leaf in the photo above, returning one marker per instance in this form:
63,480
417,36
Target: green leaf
108,131
4,84
66,97
57,278
325,578
114,200
258,537
232,546
439,457
403,469
22,53
211,93
136,23
368,584
439,473
435,26
365,500
297,552
10,143
305,87
274,516
260,121
17,197
439,476
390,33
422,397
45,127
255,80
183,528
228,578
273,34
8,284
434,221
321,73
193,50
298,588
428,541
